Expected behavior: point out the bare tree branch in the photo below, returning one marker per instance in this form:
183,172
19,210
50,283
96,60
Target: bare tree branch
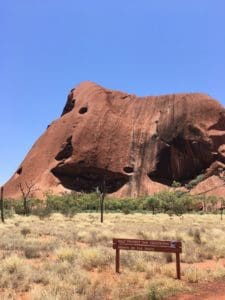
26,191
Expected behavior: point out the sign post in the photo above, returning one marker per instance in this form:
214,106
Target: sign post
148,245
178,264
2,205
117,260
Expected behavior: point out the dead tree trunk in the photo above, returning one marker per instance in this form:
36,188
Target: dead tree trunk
25,207
26,191
102,198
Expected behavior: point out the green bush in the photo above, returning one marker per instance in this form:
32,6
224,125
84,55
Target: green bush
17,206
194,182
171,202
70,204
126,211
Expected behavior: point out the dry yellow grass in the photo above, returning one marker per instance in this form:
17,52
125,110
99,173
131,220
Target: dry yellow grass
72,258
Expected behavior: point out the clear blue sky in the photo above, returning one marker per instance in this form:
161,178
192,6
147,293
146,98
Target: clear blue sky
146,47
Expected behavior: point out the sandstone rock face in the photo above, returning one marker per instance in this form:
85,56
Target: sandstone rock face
128,145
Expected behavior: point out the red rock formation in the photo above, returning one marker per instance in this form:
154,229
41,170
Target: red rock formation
131,145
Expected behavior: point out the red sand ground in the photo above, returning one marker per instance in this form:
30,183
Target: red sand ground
206,291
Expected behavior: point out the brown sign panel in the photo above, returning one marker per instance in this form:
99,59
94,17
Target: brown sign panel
147,248
150,243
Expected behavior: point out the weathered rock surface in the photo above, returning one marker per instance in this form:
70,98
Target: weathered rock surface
130,145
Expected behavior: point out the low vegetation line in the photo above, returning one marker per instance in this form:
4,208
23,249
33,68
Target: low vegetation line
170,202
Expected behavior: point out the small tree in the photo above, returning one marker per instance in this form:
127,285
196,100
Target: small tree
166,200
152,203
26,190
2,205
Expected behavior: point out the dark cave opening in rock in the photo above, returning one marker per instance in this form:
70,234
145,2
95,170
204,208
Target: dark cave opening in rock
69,105
19,171
80,178
128,169
83,110
182,160
67,150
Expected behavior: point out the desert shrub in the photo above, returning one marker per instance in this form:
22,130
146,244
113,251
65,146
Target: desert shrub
194,182
95,257
168,270
34,206
152,203
7,208
14,241
18,207
139,265
70,283
134,260
128,282
81,281
190,252
173,202
113,204
66,253
104,236
219,272
176,184
58,290
94,237
197,236
70,204
125,204
31,252
25,231
97,290
220,249
126,210
161,288
65,204
178,202
14,273
39,276
191,275
207,251
37,207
